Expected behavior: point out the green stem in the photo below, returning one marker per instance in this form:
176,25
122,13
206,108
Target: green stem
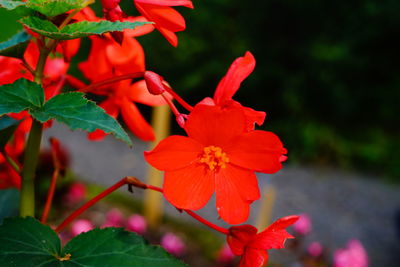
27,202
44,52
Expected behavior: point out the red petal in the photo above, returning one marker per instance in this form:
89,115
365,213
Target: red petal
211,125
254,258
253,116
231,206
239,236
257,150
275,235
128,57
164,16
96,135
173,153
238,71
138,31
270,240
169,35
186,3
244,180
190,187
135,121
283,223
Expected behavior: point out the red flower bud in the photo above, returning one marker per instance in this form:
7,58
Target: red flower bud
109,4
154,83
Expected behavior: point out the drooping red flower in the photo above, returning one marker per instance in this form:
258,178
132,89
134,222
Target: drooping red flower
167,20
240,69
108,59
219,155
244,241
121,101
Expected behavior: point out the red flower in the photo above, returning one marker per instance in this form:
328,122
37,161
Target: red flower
107,58
244,241
240,69
121,101
166,19
219,155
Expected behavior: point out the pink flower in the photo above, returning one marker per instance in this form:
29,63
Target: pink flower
352,256
137,223
75,194
114,218
315,249
303,225
81,226
225,255
173,244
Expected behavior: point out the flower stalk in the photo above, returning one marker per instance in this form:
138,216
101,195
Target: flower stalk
27,201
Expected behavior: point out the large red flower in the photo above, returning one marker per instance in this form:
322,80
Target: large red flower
252,247
219,155
240,69
167,20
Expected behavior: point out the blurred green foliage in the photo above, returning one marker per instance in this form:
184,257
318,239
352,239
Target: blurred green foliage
327,72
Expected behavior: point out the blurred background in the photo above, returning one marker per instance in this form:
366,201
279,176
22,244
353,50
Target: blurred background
327,75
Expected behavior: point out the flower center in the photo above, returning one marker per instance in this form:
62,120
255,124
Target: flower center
213,157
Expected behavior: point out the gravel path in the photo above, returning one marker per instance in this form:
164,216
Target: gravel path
342,205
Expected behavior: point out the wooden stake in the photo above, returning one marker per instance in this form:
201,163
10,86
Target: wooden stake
153,201
265,211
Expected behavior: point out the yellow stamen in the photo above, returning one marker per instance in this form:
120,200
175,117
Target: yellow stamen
66,257
214,158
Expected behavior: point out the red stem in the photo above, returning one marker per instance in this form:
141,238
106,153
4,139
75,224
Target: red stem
112,80
90,203
178,98
209,224
194,215
171,105
50,195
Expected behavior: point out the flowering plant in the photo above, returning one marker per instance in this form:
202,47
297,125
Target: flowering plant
221,152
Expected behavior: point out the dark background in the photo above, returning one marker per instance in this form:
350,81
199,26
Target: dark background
327,72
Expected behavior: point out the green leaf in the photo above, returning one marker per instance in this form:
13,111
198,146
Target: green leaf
7,128
53,8
19,96
16,45
76,30
26,242
9,199
79,113
116,247
11,4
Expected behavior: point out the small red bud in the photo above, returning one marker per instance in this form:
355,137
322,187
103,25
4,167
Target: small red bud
181,120
154,83
109,4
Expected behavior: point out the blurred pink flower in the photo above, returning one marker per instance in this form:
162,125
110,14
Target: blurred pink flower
225,255
173,244
114,218
80,226
352,256
136,223
303,225
315,249
76,193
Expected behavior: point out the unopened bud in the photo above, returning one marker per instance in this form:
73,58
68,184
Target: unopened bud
181,120
114,14
154,83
